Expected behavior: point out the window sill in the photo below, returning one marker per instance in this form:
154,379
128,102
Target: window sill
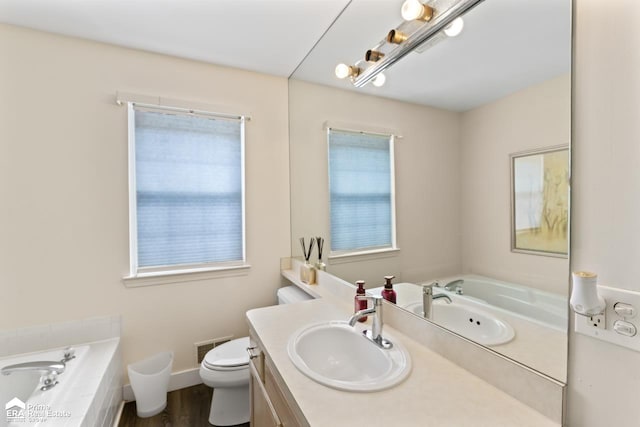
342,258
178,276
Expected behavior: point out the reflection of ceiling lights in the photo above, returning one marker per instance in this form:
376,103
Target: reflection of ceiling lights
422,23
455,27
379,80
412,10
344,71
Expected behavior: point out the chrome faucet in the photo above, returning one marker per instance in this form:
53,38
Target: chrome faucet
42,367
455,286
375,334
49,371
427,300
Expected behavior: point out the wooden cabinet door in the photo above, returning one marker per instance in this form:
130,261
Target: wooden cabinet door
263,414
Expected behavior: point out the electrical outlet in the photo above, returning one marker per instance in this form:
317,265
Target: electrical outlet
622,334
598,321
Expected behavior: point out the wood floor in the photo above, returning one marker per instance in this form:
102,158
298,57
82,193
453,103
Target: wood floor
188,407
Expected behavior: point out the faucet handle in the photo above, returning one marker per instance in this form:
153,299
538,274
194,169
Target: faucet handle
428,289
69,353
48,381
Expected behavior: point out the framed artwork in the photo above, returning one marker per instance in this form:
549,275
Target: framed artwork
540,201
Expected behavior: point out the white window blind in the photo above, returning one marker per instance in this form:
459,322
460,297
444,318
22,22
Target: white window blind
189,201
361,191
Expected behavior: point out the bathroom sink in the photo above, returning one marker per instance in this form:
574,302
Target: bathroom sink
339,356
479,326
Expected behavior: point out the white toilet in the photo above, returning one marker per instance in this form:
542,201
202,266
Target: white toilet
226,369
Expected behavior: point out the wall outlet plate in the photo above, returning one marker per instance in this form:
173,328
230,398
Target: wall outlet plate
598,321
603,330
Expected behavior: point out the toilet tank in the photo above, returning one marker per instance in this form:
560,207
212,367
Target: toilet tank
292,294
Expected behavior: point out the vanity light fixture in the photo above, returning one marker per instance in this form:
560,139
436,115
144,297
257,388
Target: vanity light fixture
379,80
373,55
396,37
403,40
343,71
414,10
455,27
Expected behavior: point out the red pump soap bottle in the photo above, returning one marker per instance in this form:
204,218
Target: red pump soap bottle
360,304
388,293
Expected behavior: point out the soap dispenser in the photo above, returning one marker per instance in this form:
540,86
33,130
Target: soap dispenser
388,293
360,304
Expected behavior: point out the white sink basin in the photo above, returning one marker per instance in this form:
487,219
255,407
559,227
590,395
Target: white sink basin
339,356
479,326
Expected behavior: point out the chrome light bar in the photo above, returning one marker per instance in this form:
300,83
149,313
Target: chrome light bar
440,20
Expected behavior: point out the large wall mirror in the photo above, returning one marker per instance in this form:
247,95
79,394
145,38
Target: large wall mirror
457,111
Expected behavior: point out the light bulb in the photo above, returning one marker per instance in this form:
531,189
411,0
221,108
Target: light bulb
454,28
342,71
379,80
414,9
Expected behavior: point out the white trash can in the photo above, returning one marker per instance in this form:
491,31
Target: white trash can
150,382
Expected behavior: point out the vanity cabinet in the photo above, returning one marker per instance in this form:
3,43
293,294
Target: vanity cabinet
269,406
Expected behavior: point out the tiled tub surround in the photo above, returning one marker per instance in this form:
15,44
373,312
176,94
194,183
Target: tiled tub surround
89,392
538,391
437,392
54,335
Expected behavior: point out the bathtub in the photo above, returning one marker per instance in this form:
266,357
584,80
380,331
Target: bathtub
87,394
539,306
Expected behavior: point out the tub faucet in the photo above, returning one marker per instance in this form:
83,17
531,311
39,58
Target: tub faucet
427,300
455,286
49,371
375,334
46,367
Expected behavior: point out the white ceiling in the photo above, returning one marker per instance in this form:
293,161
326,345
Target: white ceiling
506,45
268,36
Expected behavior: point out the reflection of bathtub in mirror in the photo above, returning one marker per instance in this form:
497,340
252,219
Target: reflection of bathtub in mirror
529,303
538,318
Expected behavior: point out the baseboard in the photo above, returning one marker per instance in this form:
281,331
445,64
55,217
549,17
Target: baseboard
178,380
116,419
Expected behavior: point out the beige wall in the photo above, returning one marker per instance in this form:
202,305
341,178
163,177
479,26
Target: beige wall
604,379
533,118
426,159
63,184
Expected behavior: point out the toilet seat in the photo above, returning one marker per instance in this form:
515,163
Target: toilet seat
230,356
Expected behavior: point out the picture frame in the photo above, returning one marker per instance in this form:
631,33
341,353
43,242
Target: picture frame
540,189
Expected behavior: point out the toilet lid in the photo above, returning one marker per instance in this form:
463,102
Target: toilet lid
232,354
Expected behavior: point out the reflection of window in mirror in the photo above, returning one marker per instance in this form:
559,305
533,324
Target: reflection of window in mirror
362,200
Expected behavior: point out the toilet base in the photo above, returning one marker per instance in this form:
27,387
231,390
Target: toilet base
230,406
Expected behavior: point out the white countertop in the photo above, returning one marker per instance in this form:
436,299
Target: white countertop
437,392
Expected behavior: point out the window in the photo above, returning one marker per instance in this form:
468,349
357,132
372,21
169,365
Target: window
361,191
187,190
